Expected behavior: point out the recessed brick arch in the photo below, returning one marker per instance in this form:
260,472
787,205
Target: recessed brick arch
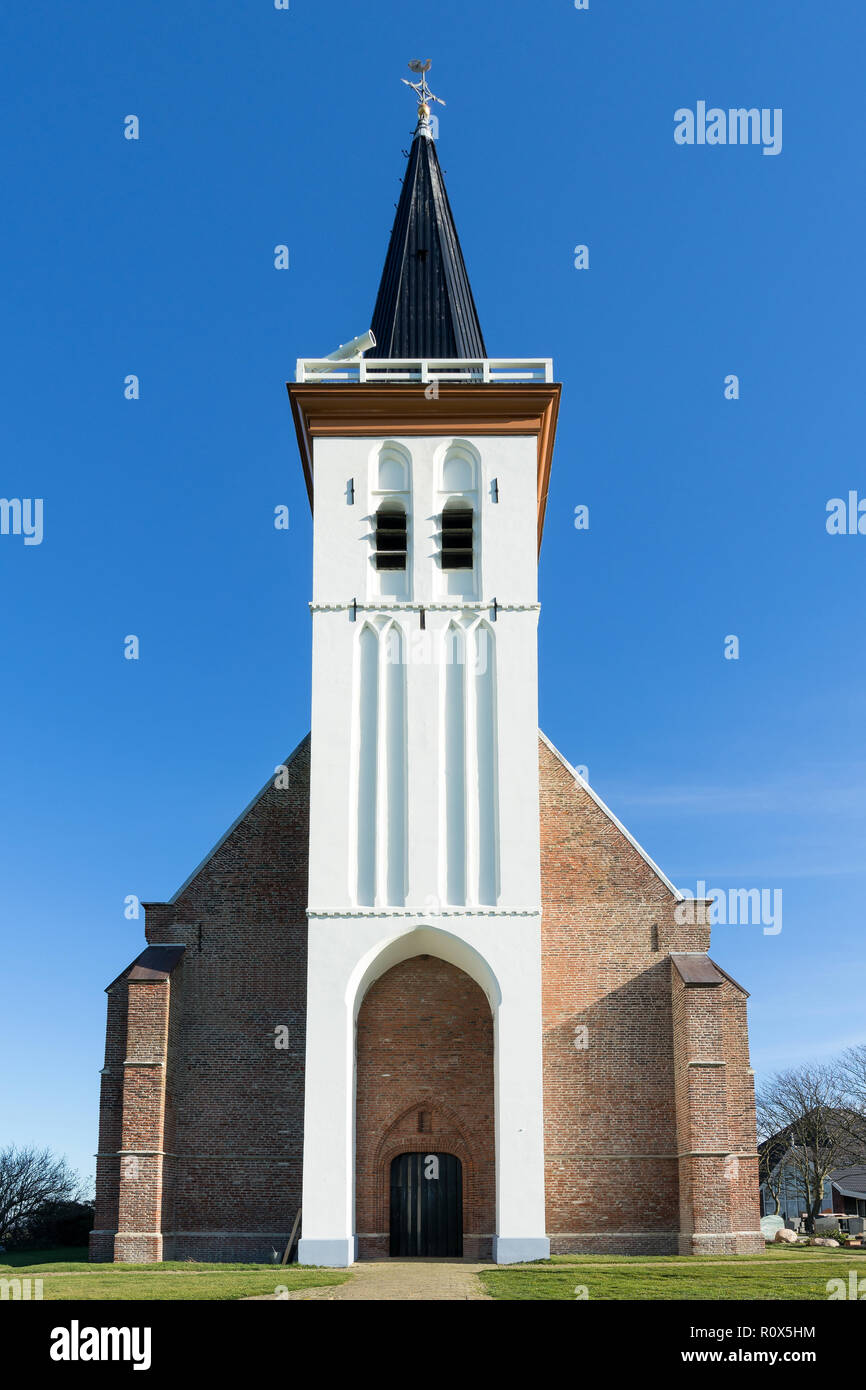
425,1045
444,1135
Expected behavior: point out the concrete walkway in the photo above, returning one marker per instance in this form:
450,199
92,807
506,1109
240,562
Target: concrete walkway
405,1280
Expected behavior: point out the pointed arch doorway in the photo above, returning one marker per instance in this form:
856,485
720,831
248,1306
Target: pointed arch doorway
426,1208
425,1122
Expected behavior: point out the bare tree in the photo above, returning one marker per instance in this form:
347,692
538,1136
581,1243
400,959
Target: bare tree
806,1116
771,1172
29,1178
854,1074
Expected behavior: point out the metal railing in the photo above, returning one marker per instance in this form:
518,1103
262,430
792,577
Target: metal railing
422,371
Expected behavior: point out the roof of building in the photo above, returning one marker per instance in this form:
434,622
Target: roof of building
425,306
851,1182
696,968
155,964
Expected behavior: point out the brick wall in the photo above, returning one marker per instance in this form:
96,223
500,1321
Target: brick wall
234,1102
110,1126
614,1127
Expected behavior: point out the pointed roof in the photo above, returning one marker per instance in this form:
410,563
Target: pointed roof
425,306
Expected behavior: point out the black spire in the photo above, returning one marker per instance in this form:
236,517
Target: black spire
425,306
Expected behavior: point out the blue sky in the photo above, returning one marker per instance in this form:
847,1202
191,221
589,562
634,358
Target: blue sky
707,516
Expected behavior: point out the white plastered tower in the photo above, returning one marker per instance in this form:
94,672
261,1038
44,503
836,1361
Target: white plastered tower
425,474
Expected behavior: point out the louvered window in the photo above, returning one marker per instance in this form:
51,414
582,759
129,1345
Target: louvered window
457,538
391,538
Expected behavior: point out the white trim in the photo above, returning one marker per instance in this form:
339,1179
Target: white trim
618,823
405,606
422,914
234,825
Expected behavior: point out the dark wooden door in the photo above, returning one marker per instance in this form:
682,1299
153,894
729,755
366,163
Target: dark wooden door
426,1204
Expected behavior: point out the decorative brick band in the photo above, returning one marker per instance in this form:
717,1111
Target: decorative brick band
641,1158
613,1158
284,1155
714,1235
627,1235
717,1153
240,1235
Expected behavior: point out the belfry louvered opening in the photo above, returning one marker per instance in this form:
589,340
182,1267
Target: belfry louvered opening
391,537
456,552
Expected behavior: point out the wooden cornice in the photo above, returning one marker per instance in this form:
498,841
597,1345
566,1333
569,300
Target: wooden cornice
367,410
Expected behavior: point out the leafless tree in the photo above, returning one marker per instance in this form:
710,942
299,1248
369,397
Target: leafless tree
807,1124
854,1073
771,1173
29,1178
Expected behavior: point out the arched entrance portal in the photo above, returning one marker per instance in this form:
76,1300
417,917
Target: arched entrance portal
425,1089
426,1204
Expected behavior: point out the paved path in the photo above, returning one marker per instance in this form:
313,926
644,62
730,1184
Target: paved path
405,1280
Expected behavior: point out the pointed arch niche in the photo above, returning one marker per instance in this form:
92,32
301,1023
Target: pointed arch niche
486,760
410,1095
390,494
458,476
380,766
469,838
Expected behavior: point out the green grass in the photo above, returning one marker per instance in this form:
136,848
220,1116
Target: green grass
111,1287
775,1252
779,1275
46,1265
17,1259
65,1275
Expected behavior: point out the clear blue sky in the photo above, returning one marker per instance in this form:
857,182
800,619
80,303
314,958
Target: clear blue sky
707,516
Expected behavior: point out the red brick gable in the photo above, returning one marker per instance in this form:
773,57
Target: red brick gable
259,864
580,834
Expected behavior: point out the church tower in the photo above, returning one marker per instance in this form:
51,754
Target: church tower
427,464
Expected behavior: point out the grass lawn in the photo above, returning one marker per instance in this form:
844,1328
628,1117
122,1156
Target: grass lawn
779,1275
66,1274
